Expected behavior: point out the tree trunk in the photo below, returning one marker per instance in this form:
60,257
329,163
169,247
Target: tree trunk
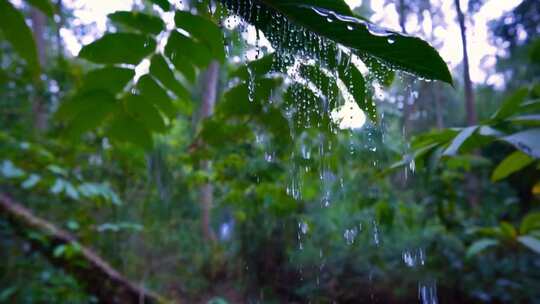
59,25
438,106
209,96
94,274
39,107
470,106
407,106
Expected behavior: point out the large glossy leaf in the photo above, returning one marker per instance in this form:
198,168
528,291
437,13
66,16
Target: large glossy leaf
139,21
527,141
332,20
511,164
20,36
115,48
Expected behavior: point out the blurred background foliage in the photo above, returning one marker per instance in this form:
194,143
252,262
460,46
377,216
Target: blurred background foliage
218,177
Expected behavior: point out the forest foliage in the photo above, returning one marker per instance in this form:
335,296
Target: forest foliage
216,177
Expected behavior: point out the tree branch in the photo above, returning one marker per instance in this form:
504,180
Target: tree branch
94,274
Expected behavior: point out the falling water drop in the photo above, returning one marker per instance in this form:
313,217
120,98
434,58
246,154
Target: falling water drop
251,84
427,293
350,235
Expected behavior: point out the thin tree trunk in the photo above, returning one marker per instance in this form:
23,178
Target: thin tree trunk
472,183
38,107
407,107
438,107
209,97
59,25
469,94
94,274
402,18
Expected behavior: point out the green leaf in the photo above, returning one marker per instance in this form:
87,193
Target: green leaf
10,170
181,47
204,30
531,106
507,230
31,181
218,133
5,294
115,48
59,251
175,50
479,246
111,79
45,6
126,129
530,242
154,93
534,53
159,68
530,223
141,22
58,186
383,74
297,98
87,111
333,20
144,111
237,100
529,120
71,191
102,190
20,36
164,4
256,68
326,84
356,85
527,141
459,140
511,104
511,164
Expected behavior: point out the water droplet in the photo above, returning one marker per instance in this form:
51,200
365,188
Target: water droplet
350,235
427,292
